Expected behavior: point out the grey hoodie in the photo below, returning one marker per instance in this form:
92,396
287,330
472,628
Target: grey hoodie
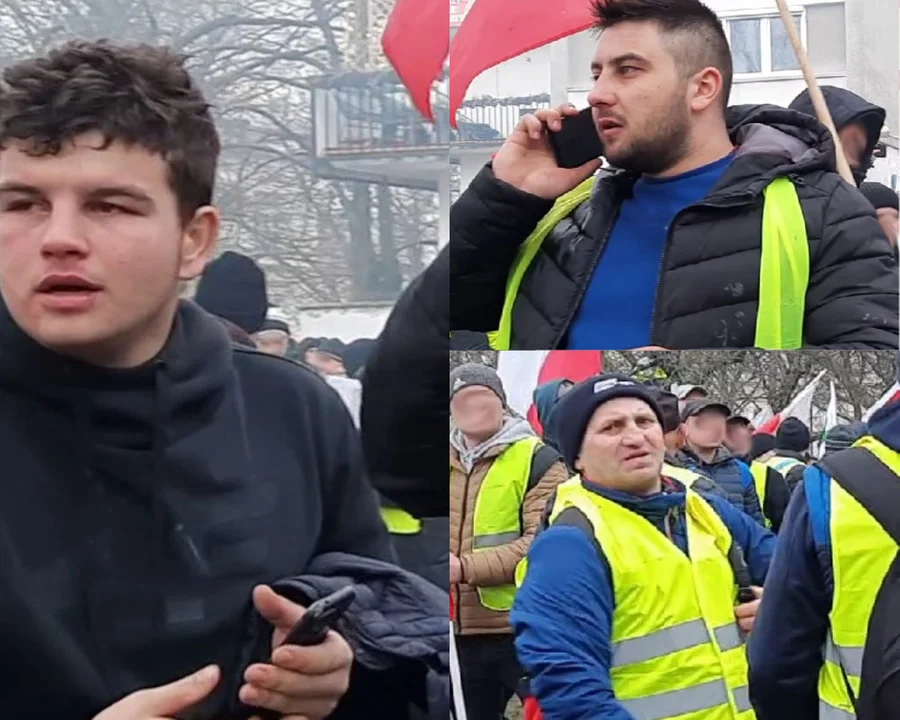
514,428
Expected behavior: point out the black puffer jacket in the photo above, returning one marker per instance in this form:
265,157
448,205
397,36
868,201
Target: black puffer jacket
708,292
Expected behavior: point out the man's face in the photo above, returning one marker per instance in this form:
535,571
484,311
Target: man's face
739,439
273,342
854,140
889,219
325,363
639,100
706,430
623,447
92,249
477,411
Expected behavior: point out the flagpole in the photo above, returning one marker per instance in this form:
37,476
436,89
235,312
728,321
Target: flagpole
815,94
459,704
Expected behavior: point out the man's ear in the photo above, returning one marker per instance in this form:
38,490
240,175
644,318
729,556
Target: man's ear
198,242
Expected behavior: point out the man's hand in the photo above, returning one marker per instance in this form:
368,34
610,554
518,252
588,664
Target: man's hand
455,570
526,160
301,683
163,703
746,613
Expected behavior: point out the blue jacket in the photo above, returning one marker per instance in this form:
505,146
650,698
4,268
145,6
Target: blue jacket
562,616
785,648
733,476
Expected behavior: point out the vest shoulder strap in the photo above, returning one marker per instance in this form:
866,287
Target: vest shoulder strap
870,482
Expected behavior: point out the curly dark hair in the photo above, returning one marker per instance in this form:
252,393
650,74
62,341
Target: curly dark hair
139,95
694,32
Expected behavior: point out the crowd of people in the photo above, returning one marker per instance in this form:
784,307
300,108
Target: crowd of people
178,491
646,553
682,234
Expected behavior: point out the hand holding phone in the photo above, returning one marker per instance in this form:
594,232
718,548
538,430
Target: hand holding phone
320,617
577,142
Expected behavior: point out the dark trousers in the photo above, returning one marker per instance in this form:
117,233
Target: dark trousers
490,674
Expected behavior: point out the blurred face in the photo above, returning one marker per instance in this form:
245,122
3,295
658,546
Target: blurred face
273,342
640,102
889,220
92,249
325,363
853,140
477,412
706,430
623,447
739,439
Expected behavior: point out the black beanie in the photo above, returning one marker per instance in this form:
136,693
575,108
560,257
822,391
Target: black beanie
234,287
575,408
881,196
793,435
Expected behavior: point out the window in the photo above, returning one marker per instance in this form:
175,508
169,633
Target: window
762,45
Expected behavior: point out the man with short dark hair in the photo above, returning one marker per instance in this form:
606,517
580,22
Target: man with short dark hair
667,252
158,478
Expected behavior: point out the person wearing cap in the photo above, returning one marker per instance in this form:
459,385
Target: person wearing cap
688,394
831,559
628,603
275,334
704,424
791,453
840,437
327,357
739,437
501,478
887,207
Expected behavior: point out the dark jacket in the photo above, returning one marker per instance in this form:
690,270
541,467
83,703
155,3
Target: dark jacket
785,648
562,615
708,289
397,627
732,476
703,484
778,495
142,506
847,107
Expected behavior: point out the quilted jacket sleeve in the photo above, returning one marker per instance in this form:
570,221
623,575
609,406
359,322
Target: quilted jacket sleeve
852,300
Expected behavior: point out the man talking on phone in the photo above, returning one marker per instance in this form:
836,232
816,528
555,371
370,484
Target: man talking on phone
669,250
157,479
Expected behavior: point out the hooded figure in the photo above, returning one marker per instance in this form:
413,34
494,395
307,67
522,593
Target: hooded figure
857,121
546,398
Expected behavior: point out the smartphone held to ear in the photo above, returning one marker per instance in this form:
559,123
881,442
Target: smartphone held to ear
578,142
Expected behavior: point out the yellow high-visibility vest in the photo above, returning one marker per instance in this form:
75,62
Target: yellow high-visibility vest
783,270
497,516
400,522
861,554
782,465
758,470
683,475
677,649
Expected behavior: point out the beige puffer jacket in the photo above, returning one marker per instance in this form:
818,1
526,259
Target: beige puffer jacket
497,565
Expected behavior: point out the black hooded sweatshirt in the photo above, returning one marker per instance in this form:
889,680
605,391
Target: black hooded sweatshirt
142,506
847,107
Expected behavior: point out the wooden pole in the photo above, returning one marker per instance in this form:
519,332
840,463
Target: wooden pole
815,94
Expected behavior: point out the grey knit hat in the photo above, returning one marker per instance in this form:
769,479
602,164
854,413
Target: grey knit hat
478,375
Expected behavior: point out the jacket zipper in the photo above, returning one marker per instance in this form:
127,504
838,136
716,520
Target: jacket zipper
585,284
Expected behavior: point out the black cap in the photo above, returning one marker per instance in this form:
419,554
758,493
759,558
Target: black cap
668,404
739,420
696,407
578,405
793,435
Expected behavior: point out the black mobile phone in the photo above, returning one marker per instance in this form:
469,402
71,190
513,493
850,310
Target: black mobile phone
577,142
320,617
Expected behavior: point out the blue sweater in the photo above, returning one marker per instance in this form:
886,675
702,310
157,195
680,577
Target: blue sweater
617,311
785,648
562,616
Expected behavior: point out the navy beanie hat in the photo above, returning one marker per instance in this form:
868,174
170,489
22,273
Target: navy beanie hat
576,407
234,287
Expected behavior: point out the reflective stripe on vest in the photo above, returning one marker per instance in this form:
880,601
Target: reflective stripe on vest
692,665
861,554
758,471
400,522
783,271
497,516
683,475
783,465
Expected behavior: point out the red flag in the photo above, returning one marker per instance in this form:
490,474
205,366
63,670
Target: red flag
523,370
415,41
891,396
497,30
800,407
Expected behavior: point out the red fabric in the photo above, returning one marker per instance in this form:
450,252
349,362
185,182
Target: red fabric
415,41
530,710
574,365
770,426
502,29
452,608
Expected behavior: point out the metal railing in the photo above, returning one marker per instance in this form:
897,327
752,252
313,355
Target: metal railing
488,121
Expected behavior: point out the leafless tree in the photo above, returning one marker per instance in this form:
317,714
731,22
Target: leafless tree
256,61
